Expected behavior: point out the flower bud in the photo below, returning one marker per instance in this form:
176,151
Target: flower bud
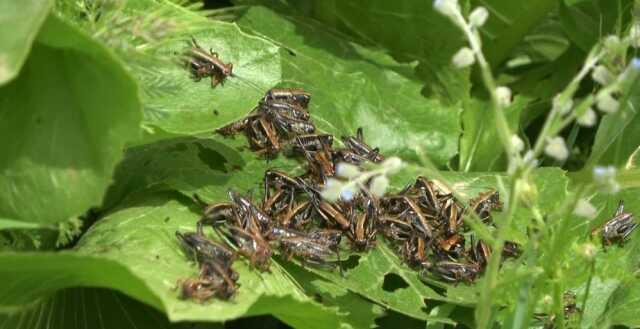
561,105
612,43
347,193
601,75
517,143
347,170
634,34
379,186
332,190
479,16
463,58
504,96
449,8
588,118
605,178
589,250
392,165
585,209
606,103
557,148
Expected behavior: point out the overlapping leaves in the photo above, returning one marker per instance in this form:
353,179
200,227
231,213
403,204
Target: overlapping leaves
132,249
59,138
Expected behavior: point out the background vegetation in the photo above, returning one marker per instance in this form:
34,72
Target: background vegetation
105,137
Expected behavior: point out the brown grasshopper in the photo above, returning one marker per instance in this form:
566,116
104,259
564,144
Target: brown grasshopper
207,64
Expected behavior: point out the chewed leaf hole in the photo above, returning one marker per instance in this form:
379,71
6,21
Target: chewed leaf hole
350,263
393,282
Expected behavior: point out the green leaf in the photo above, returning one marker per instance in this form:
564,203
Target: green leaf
381,264
509,22
69,114
616,265
134,250
409,30
19,25
545,43
359,312
479,150
177,104
623,305
415,297
206,166
587,21
353,86
92,308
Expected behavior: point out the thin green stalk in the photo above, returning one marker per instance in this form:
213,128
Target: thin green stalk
487,77
521,313
592,268
484,309
558,303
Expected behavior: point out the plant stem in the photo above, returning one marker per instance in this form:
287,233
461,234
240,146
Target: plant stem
484,311
487,76
592,268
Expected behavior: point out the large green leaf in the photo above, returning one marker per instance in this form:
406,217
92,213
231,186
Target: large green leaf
353,86
134,250
92,308
409,30
177,104
68,116
19,25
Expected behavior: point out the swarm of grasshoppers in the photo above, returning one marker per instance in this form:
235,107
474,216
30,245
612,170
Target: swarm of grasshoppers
423,221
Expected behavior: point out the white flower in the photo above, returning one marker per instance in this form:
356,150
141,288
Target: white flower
601,173
463,58
601,75
347,193
589,250
634,34
392,165
561,105
547,300
529,159
606,103
605,178
504,96
585,209
448,8
347,170
612,42
588,118
479,16
332,190
379,186
517,143
557,148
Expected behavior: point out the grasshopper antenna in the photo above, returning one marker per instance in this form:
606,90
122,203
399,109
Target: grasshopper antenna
247,82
